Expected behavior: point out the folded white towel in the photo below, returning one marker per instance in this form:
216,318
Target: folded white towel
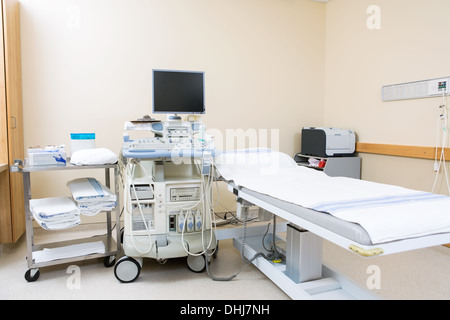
91,196
89,189
50,207
68,222
92,208
55,213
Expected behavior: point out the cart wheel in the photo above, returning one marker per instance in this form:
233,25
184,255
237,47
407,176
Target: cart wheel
127,269
196,263
108,262
32,275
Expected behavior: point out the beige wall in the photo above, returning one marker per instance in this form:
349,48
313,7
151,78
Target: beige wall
411,45
269,65
87,66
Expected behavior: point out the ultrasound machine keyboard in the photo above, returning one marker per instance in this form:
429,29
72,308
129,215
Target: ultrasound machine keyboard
159,147
151,144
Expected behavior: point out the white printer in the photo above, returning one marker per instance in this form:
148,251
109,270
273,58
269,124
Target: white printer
327,142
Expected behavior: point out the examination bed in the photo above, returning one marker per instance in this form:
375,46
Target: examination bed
375,219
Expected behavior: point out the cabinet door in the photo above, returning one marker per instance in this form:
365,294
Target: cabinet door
13,91
5,202
5,209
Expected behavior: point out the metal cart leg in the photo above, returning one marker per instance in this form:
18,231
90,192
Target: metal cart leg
117,210
28,218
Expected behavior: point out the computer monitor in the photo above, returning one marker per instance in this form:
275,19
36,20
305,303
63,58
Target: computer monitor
178,92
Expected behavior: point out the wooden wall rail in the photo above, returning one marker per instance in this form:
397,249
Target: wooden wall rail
401,151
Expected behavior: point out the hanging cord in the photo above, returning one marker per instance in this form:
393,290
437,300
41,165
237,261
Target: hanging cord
442,126
247,261
130,214
244,238
274,253
206,203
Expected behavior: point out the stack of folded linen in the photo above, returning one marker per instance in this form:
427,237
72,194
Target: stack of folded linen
91,196
55,213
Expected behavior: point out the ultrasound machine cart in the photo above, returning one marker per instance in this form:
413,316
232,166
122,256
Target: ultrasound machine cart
167,182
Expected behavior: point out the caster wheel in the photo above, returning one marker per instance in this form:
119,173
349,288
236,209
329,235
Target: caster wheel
196,263
108,262
32,275
127,269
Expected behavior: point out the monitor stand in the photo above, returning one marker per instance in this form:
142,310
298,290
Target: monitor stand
172,117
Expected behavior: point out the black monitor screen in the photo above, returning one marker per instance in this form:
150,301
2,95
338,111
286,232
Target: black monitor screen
178,92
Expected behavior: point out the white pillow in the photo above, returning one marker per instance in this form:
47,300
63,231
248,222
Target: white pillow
93,157
235,163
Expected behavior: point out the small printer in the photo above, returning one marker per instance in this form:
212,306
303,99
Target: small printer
327,142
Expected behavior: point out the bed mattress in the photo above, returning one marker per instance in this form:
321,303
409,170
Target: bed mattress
349,230
386,213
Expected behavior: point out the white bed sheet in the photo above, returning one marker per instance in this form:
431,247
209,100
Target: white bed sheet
386,212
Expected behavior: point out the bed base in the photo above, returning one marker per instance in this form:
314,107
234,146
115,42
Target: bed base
328,286
303,276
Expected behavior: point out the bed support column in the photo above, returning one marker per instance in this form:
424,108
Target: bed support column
242,207
303,255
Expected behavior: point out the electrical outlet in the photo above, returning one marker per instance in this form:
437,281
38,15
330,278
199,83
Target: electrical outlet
438,86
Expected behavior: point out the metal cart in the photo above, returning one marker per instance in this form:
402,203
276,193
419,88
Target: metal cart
112,247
